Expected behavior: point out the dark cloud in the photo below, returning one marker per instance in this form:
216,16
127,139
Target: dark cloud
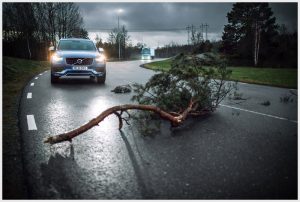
155,15
286,13
163,16
172,15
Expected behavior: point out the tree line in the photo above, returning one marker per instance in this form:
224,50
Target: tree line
111,46
30,28
251,38
198,47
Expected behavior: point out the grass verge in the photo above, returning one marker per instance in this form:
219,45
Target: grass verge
16,73
286,78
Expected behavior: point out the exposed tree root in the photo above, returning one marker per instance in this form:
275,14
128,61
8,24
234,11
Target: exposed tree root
175,119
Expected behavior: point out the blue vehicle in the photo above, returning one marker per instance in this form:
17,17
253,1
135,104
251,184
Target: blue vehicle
148,53
78,57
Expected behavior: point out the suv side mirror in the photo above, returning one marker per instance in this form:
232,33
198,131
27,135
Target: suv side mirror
51,48
101,50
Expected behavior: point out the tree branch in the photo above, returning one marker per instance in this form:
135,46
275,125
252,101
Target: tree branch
119,115
174,120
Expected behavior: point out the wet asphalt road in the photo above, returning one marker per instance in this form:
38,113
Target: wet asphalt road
229,154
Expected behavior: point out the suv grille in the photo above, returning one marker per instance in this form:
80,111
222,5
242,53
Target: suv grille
84,61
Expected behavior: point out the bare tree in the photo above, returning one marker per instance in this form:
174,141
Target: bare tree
39,24
121,36
99,43
19,23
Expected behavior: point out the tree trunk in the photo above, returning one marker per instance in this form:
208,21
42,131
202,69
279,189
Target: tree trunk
257,34
255,44
258,44
29,52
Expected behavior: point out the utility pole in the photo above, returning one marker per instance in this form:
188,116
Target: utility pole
193,34
119,38
188,30
206,26
119,11
201,27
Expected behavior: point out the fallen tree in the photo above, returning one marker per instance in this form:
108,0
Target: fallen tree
188,89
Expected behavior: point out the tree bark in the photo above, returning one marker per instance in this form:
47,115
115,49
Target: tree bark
118,110
257,33
258,44
255,43
28,47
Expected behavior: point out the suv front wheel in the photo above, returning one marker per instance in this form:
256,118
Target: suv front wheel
54,79
101,79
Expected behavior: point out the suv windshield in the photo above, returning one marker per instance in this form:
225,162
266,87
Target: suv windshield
76,45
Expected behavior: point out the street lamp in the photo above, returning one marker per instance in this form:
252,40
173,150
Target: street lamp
119,11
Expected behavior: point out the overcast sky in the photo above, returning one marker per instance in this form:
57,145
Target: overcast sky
150,22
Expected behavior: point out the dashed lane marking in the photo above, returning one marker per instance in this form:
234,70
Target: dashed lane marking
254,112
40,74
31,122
36,77
32,84
29,95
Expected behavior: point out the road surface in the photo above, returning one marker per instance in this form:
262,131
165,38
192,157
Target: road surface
244,150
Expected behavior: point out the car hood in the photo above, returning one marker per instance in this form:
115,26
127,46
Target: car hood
77,54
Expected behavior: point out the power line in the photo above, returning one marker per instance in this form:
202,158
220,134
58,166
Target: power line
190,30
206,26
201,27
200,35
140,29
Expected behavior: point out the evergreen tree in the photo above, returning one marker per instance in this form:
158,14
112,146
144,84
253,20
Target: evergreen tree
251,28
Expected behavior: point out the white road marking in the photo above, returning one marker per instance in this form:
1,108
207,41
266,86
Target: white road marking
31,122
45,71
29,95
36,77
40,74
32,84
254,112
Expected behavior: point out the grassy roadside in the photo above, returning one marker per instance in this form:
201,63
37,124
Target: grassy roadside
286,78
123,60
16,73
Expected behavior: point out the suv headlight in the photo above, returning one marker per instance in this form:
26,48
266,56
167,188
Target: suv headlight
56,58
100,58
